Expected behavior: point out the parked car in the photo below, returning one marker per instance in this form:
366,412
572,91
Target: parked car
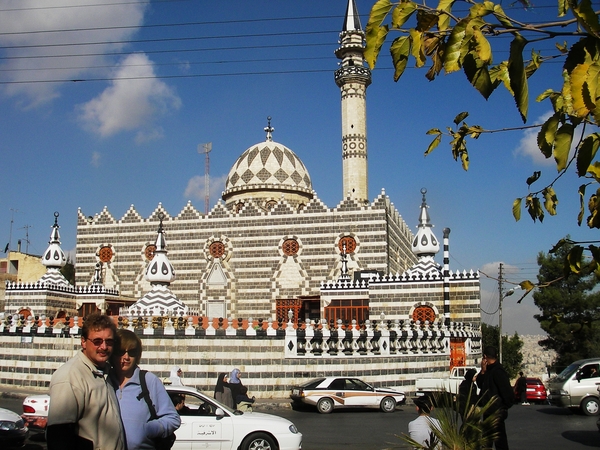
536,391
13,430
209,424
35,411
575,387
329,393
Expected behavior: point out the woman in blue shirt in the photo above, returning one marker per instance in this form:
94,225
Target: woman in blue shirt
140,429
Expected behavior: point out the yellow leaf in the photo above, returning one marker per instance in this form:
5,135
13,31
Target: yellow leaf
434,143
402,13
578,89
518,80
547,135
400,49
375,33
550,200
417,47
444,20
516,209
586,153
482,47
452,58
562,146
594,170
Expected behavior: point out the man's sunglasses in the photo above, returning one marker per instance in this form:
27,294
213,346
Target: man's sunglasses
132,352
98,342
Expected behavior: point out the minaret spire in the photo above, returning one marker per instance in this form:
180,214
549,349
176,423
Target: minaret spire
353,78
425,243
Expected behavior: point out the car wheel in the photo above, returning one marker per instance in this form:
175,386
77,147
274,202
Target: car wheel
388,404
590,406
259,441
325,405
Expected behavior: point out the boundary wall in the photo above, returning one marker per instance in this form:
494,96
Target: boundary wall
273,356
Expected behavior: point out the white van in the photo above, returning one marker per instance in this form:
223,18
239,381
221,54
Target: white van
577,387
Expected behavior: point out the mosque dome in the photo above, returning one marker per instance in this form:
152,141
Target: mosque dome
265,173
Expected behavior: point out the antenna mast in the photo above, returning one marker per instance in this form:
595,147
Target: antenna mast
26,228
206,148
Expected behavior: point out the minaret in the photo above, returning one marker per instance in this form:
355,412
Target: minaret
54,258
353,78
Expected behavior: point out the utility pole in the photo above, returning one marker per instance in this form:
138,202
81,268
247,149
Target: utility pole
502,295
205,149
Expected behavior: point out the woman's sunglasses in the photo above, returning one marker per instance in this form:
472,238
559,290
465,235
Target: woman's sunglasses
132,352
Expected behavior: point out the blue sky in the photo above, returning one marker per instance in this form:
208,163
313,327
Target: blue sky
193,71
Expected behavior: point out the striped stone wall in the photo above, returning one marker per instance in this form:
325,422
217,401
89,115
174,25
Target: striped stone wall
30,354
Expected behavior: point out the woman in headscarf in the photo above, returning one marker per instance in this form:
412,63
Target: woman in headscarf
223,392
235,384
175,376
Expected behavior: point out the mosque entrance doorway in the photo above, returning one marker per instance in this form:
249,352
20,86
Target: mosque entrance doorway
302,308
458,355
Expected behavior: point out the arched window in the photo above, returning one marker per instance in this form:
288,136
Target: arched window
423,313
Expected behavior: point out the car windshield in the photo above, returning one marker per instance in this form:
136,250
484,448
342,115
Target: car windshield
566,374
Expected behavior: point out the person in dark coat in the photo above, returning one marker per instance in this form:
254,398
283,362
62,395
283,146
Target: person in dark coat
223,392
467,392
494,383
522,389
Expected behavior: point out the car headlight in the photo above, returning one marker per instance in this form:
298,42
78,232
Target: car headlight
8,426
293,429
563,392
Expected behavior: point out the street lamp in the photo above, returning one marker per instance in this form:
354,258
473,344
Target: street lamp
502,297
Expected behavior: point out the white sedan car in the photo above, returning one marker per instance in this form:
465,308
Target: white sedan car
329,393
208,424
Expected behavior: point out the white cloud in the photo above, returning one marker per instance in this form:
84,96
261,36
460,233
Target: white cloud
195,188
96,156
133,101
37,46
528,147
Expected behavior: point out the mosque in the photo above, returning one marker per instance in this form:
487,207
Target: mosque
270,248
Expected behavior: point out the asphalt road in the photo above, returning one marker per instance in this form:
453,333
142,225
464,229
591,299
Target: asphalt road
529,427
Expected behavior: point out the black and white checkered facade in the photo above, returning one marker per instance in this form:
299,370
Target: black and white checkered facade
253,271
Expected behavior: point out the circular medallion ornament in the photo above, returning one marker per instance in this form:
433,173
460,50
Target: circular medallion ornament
105,254
149,251
350,244
290,247
217,249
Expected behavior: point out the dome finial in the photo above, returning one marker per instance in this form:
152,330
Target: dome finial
269,129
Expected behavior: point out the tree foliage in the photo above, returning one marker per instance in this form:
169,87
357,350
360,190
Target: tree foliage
512,355
447,41
569,307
